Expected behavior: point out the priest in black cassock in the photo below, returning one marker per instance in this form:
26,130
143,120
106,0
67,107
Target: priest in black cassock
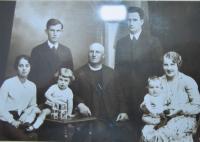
98,93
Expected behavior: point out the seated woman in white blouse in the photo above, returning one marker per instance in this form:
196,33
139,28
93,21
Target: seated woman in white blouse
183,92
17,102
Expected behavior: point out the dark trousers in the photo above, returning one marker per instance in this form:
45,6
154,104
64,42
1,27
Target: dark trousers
51,132
9,132
104,131
40,95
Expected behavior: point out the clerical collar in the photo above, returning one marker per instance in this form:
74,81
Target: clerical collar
136,35
95,69
51,45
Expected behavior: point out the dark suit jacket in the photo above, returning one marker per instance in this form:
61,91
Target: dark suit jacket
46,62
135,61
84,90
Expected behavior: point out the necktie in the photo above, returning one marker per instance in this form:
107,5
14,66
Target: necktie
133,40
54,49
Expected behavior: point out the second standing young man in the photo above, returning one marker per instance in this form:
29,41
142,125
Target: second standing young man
137,57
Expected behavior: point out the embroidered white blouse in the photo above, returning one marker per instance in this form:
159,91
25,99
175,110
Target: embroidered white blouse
184,94
16,96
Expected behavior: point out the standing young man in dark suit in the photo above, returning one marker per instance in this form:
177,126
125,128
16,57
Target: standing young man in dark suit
48,57
137,57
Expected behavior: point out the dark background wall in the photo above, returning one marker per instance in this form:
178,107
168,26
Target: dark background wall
177,25
122,29
82,26
6,21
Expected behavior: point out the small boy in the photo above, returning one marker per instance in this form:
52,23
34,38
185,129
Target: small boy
59,94
155,103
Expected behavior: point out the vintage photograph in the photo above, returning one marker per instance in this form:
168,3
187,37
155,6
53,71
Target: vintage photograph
100,71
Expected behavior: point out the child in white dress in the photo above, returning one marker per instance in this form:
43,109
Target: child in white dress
155,103
59,94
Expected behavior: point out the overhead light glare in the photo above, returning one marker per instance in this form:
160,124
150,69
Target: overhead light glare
113,12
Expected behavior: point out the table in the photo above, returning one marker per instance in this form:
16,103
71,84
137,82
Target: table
76,119
63,130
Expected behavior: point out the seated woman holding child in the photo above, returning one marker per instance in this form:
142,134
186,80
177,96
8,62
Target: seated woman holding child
175,121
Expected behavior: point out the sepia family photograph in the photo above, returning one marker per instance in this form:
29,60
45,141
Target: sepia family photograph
100,71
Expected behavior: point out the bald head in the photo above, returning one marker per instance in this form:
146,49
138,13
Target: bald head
96,54
97,46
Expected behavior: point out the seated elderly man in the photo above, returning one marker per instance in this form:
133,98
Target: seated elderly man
98,93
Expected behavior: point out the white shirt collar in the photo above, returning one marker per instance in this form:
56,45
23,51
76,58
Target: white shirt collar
95,69
136,35
24,84
51,45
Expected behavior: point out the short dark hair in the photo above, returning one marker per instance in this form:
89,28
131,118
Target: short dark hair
52,21
18,58
138,10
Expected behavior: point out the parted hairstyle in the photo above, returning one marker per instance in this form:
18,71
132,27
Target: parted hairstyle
18,58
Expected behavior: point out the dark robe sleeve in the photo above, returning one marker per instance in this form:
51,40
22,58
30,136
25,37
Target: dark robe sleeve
120,95
75,86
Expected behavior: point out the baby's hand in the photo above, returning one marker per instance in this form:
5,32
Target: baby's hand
144,109
166,112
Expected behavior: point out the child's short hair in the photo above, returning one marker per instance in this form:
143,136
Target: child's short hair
152,78
67,73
